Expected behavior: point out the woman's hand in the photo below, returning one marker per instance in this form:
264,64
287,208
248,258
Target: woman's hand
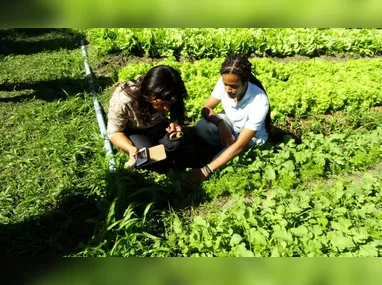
133,151
226,135
174,127
195,176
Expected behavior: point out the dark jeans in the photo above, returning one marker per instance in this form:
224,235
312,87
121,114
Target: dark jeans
153,136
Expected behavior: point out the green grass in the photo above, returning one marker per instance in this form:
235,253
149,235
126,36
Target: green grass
58,198
31,41
45,66
51,153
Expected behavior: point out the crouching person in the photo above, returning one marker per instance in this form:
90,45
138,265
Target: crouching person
244,121
138,115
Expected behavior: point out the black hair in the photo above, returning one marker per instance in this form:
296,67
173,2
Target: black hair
240,66
165,83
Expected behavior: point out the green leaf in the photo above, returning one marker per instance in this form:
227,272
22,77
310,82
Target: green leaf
150,236
264,232
323,221
317,231
146,211
342,225
177,225
199,221
235,239
257,237
360,234
241,251
368,250
299,231
252,221
293,208
340,241
217,243
275,252
281,233
269,173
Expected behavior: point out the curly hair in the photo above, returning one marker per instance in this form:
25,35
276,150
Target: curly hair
240,66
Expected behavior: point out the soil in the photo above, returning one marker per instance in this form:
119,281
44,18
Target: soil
112,62
109,63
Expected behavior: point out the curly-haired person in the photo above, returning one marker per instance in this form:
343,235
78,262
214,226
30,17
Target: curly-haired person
244,121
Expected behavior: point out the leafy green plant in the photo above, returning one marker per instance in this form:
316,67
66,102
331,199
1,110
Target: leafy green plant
210,43
298,89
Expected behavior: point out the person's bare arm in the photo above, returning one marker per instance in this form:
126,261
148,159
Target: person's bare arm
235,149
208,112
210,115
199,174
119,139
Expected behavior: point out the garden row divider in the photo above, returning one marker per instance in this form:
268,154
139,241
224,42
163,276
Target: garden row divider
98,111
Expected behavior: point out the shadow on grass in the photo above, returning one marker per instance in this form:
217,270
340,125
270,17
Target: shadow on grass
142,188
51,90
30,41
278,135
26,32
80,221
57,233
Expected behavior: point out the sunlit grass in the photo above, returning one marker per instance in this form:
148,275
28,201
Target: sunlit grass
58,198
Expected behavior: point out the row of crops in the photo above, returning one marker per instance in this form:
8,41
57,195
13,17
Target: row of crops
340,220
297,199
283,214
209,43
295,89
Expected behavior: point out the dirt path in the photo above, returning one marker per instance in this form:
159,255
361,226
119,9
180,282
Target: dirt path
107,64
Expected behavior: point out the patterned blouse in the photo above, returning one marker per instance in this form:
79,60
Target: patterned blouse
124,111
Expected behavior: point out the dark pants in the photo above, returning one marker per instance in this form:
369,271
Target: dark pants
153,136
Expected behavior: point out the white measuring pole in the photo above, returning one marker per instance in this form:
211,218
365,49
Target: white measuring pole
98,111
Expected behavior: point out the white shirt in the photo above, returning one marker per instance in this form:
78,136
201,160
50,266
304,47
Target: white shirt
250,112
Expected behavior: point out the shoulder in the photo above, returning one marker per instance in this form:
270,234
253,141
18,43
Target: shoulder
219,86
254,89
258,96
123,93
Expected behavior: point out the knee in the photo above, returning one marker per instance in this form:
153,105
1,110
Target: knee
171,145
202,128
174,146
208,131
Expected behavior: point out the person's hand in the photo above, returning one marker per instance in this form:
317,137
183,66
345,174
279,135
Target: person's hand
195,176
226,135
133,151
176,128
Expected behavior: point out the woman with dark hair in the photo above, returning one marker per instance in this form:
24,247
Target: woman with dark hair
138,112
244,121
